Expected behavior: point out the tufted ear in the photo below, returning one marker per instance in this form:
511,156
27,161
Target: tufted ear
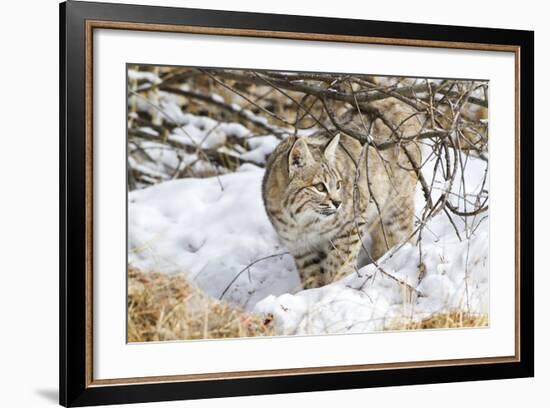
330,150
299,156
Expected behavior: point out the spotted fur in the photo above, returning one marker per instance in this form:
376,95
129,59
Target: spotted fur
324,196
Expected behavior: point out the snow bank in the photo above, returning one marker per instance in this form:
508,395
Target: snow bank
212,235
456,279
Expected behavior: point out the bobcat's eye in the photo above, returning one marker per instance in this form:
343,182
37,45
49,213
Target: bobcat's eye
338,185
320,187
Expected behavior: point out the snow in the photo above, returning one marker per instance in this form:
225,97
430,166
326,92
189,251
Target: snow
163,160
216,231
150,131
261,147
217,98
158,161
147,170
370,300
199,131
151,77
194,226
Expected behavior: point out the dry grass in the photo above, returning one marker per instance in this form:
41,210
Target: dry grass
449,320
167,307
163,307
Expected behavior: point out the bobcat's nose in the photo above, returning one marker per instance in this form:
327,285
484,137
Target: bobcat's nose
336,203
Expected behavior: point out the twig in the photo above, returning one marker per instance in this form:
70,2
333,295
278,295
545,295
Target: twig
248,267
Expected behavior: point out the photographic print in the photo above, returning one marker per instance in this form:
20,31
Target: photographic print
276,203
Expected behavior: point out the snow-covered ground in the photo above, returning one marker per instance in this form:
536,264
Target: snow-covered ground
215,230
195,227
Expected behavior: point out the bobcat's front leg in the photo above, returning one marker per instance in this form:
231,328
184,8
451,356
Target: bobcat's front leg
311,267
342,256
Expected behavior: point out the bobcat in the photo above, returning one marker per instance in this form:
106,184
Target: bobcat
324,195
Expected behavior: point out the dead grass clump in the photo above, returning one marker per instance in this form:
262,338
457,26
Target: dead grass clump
167,307
448,320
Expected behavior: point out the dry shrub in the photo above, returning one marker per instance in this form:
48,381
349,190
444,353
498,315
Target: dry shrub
449,320
167,307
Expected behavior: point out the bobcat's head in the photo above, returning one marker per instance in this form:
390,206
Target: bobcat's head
315,188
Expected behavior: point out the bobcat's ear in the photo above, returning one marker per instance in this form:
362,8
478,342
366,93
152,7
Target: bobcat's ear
299,156
330,150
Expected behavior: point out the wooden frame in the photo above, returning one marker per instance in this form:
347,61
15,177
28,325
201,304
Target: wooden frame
77,22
